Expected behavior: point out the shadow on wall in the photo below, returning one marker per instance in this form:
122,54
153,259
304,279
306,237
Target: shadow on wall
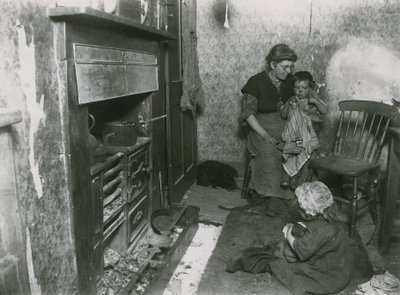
362,70
219,9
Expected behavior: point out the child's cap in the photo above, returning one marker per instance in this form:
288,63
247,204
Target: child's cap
314,197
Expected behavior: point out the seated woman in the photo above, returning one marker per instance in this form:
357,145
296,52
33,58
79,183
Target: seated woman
314,258
262,96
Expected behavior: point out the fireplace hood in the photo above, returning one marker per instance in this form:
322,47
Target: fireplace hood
104,73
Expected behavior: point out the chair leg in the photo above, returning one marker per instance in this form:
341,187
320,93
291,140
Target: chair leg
372,196
246,180
354,208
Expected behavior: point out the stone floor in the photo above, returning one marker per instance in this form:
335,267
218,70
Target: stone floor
209,199
392,259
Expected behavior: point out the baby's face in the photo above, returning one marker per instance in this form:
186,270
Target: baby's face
302,89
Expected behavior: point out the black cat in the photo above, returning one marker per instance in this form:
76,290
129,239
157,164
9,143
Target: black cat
216,174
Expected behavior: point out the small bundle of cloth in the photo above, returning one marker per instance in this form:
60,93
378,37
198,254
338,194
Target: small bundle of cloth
384,284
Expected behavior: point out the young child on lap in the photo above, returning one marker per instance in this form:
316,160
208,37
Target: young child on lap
300,140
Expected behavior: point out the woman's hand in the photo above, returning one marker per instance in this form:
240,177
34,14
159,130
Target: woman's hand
252,121
313,100
320,104
269,139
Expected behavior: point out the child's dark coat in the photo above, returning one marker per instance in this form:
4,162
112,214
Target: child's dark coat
323,265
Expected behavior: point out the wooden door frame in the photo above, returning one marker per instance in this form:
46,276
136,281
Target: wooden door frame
173,85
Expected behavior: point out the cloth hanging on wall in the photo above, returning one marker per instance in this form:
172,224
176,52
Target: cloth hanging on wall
192,94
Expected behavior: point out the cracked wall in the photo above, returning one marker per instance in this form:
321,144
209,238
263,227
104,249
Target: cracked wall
28,74
350,46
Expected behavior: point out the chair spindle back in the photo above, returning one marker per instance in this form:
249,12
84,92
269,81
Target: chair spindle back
362,129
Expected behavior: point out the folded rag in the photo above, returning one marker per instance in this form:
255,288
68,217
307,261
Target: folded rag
384,284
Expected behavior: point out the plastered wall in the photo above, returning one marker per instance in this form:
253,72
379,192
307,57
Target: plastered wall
28,76
352,48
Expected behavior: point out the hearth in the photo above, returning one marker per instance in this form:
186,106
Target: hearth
120,186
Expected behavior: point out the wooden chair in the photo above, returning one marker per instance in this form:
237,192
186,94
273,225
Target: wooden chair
358,143
246,178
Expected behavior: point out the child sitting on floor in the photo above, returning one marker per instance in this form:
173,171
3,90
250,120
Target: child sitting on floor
314,257
300,139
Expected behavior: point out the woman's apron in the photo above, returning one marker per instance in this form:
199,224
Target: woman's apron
266,165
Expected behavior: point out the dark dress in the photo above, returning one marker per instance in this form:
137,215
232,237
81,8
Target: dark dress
323,261
260,98
319,262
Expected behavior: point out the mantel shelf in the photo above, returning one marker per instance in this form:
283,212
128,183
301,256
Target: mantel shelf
96,17
9,116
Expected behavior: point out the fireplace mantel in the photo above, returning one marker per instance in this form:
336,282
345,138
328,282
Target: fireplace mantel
99,18
105,42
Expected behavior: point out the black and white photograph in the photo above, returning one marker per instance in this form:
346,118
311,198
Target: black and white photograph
200,147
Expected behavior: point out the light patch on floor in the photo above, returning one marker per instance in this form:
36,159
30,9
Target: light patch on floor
187,275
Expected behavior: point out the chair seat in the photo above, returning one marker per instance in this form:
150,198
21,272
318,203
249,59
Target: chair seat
342,166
